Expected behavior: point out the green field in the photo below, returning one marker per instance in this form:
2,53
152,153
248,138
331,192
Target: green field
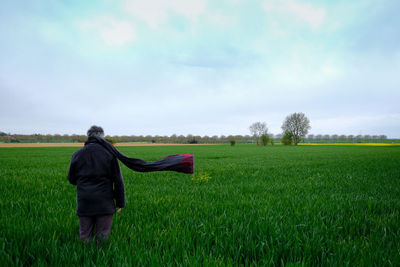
308,205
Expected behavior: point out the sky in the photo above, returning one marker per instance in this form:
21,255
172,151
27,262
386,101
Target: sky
201,67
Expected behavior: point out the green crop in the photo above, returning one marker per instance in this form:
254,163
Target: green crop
245,205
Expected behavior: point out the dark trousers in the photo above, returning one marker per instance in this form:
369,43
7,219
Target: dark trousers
87,225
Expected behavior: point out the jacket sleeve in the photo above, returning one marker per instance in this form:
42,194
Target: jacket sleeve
71,172
119,187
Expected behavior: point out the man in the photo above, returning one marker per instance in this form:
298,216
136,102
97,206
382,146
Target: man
97,175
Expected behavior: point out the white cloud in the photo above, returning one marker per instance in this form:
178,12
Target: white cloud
277,30
296,11
111,31
155,12
294,74
330,70
312,15
222,21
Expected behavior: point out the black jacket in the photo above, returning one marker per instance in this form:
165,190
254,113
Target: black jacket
98,178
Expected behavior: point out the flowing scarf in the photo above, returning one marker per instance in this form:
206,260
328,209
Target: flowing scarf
179,163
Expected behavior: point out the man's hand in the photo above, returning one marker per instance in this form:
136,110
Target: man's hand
119,210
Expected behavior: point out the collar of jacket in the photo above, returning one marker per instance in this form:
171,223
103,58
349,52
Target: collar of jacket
91,140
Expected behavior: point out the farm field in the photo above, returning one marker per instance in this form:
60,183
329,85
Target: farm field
250,205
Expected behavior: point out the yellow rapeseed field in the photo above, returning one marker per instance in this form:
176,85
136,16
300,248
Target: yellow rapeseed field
348,144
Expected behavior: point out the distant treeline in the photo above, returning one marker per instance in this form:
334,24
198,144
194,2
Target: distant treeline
190,139
335,138
175,139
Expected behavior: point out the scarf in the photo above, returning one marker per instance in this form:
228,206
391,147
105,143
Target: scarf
179,163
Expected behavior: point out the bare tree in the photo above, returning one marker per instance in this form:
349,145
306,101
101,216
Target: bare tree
298,125
258,129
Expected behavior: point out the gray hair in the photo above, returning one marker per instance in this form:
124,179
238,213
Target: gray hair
95,131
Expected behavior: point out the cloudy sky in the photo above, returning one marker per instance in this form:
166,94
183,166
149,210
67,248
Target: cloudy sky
203,67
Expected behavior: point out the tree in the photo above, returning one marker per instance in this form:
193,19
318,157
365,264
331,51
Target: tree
287,138
264,139
113,140
298,125
258,129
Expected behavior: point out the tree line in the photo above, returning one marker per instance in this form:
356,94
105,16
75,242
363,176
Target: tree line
173,139
295,128
189,139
